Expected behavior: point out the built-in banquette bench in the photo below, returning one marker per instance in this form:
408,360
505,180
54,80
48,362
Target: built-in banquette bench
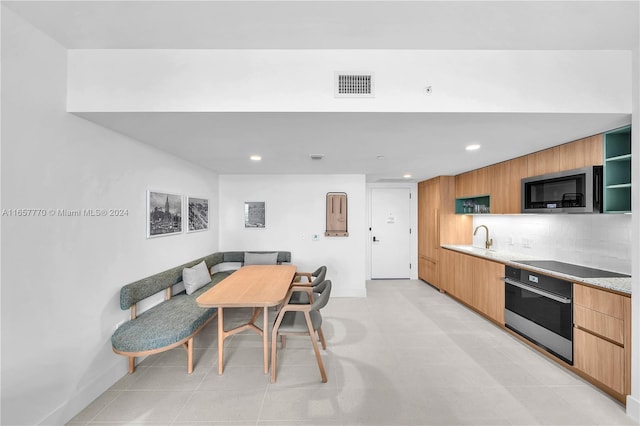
177,319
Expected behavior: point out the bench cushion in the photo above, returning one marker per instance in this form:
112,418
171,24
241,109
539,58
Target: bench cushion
139,290
165,324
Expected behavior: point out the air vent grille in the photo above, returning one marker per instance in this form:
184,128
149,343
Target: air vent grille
354,85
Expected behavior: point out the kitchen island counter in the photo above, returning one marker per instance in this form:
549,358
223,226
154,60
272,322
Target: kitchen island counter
620,285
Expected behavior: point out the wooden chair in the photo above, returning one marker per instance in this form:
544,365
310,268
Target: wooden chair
301,319
313,280
316,276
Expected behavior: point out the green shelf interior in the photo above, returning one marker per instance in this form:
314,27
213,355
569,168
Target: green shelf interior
466,205
618,199
617,143
617,170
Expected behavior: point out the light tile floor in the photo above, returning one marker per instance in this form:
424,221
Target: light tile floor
405,355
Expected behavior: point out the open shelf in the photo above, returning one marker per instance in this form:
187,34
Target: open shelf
479,204
617,171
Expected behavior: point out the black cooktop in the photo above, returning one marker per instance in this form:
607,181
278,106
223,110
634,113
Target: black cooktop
570,269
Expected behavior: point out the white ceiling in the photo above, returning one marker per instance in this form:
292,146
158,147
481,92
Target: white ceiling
423,144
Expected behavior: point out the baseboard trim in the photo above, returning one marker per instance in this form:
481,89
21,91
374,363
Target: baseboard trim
633,408
85,396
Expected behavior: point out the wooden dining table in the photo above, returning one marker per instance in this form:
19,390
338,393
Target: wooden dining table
252,286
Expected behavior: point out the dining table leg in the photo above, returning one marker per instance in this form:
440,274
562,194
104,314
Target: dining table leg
265,338
220,341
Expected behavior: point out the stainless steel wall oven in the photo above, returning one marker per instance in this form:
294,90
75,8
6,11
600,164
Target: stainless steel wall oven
540,308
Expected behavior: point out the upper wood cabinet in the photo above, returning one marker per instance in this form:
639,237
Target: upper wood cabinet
505,185
543,162
473,183
581,153
501,181
573,155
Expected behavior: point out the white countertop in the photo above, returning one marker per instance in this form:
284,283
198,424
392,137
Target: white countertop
622,285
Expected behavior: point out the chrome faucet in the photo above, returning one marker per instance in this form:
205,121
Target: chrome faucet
487,242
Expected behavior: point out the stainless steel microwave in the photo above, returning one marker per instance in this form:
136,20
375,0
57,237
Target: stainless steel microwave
571,191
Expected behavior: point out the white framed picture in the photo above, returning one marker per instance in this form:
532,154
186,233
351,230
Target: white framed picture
198,214
254,214
164,214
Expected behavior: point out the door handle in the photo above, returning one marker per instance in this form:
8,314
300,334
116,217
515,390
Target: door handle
375,240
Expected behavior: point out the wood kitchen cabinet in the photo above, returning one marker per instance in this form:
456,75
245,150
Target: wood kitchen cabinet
447,270
473,183
602,338
501,181
488,288
437,225
474,281
573,155
543,162
581,153
505,186
463,278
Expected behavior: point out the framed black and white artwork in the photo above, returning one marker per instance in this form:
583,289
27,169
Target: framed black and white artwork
164,214
198,214
254,214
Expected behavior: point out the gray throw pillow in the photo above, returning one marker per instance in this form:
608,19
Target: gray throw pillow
225,266
195,277
260,258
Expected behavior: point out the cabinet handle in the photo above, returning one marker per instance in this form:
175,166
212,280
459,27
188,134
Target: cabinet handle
536,291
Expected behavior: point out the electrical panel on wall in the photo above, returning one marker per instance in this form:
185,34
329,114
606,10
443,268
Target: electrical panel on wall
336,215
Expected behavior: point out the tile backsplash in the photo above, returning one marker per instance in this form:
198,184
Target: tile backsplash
595,240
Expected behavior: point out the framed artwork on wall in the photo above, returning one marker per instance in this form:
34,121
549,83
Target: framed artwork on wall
254,214
164,214
198,214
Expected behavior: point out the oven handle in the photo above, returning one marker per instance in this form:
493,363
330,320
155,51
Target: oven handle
536,290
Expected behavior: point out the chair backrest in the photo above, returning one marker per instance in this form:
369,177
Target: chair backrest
320,301
319,276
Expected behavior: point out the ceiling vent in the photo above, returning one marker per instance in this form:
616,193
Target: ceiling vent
354,85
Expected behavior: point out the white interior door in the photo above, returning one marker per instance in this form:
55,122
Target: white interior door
390,233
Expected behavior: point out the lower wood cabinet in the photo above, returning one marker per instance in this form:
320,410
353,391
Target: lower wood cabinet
602,319
488,289
602,338
599,359
428,270
447,270
474,281
463,278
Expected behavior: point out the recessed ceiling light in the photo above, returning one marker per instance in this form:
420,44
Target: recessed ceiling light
472,147
380,157
255,158
407,175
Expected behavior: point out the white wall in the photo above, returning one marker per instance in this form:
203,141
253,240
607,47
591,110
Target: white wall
61,276
595,240
295,211
302,80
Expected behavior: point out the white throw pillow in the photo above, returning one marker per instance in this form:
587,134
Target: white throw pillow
260,258
195,277
225,266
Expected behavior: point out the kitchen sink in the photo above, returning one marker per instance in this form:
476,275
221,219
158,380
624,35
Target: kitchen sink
571,269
